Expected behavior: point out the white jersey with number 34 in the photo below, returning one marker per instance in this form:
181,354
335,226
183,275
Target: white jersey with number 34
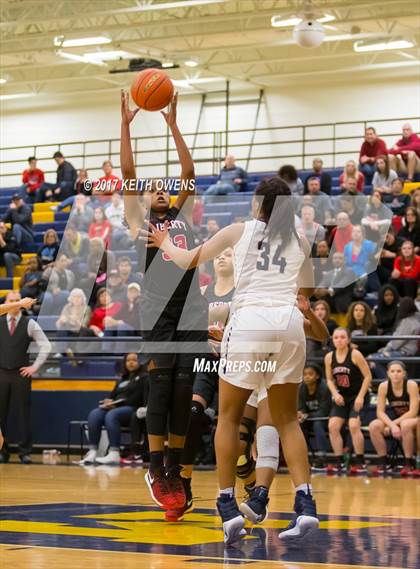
266,274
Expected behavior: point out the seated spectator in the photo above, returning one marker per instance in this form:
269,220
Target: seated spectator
415,201
353,205
389,253
100,227
376,218
361,322
129,317
337,285
396,410
75,247
30,282
99,264
60,282
341,235
115,286
387,308
232,178
384,176
313,231
19,215
349,186
74,320
10,254
405,154
116,411
49,249
289,174
80,188
316,348
411,228
64,185
32,180
371,148
350,171
125,269
81,215
406,274
320,201
323,178
106,184
212,227
120,238
348,379
105,306
360,256
408,324
323,263
315,404
396,200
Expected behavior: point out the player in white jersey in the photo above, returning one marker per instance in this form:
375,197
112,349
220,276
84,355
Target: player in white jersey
264,342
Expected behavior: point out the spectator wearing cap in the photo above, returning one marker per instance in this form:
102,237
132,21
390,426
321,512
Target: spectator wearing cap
19,215
405,154
323,177
371,148
64,185
117,289
32,180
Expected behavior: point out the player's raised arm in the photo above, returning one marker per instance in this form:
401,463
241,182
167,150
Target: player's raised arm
187,165
134,211
314,326
306,279
188,259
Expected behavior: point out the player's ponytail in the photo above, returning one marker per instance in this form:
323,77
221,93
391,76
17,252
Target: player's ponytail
276,209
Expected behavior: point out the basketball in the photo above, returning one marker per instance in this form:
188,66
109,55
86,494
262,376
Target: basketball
152,90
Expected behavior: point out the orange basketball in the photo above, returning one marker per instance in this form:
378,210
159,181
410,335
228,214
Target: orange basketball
152,90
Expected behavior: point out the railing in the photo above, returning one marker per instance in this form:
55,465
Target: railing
263,148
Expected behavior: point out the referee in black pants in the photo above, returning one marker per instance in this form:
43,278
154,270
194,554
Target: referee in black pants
16,334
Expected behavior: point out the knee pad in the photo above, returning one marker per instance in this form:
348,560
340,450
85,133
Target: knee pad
246,464
181,401
160,392
267,447
194,434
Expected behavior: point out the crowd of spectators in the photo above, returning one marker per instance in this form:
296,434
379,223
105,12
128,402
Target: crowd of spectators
365,248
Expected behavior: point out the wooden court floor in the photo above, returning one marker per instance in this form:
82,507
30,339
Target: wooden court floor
70,517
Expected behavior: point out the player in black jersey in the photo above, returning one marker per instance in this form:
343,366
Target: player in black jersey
399,420
172,308
348,378
219,295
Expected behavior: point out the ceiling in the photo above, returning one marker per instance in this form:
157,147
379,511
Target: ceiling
230,39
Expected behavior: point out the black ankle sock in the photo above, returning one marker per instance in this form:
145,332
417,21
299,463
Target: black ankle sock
360,459
173,457
156,460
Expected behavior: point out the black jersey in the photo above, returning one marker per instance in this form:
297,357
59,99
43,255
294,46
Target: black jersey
215,300
162,277
399,404
347,376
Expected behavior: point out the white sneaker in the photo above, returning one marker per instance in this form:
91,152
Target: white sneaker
89,457
113,457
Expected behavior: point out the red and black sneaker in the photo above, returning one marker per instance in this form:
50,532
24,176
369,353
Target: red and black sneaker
176,487
178,515
160,490
358,468
335,468
381,470
407,470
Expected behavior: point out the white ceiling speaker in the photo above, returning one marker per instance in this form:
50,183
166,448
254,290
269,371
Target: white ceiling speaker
309,33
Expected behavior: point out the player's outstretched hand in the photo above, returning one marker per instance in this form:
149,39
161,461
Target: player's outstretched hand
126,114
170,117
154,236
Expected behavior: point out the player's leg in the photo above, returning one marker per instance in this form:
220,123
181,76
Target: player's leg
245,466
232,400
408,430
417,471
355,428
377,431
335,424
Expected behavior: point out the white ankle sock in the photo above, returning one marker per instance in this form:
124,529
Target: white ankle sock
307,488
229,491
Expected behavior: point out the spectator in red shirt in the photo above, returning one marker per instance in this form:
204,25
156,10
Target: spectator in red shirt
107,184
350,171
104,307
341,235
406,273
371,148
100,227
32,179
405,154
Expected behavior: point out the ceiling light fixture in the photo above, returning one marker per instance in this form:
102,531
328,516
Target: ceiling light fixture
108,55
168,64
278,22
16,96
385,45
79,58
191,63
3,80
59,41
